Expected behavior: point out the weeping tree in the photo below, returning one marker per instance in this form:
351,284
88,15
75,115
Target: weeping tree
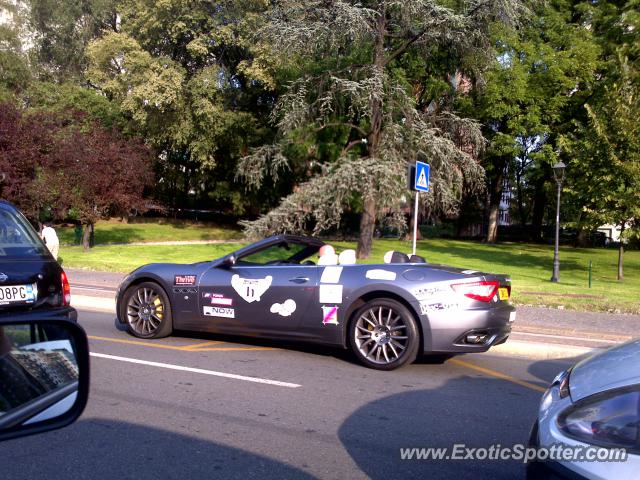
352,58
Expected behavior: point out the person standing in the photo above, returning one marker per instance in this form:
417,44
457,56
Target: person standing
51,239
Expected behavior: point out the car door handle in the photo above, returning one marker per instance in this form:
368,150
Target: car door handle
299,279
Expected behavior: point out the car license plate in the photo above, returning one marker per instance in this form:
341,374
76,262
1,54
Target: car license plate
503,293
17,293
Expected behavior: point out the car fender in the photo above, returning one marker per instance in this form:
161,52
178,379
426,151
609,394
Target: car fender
139,276
355,301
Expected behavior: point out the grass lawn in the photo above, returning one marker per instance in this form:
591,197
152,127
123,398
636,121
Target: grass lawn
528,265
114,231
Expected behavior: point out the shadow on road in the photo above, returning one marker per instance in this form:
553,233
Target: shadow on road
103,448
465,410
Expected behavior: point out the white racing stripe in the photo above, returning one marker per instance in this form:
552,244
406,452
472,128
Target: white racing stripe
197,370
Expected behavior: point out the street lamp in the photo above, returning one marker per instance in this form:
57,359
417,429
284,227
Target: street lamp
558,173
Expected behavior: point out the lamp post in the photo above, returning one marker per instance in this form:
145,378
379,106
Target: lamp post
558,173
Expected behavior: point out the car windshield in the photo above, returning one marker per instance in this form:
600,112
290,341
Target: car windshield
281,253
17,236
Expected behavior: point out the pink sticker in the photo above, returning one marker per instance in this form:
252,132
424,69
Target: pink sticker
330,315
218,299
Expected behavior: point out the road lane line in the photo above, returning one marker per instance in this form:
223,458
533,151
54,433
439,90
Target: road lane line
135,342
181,348
203,344
227,349
496,374
169,366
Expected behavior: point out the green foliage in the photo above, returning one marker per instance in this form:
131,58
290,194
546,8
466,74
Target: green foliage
604,138
353,77
62,29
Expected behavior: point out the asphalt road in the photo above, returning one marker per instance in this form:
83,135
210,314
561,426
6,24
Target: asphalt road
216,407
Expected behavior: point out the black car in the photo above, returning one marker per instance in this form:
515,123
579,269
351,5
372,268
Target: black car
386,313
33,285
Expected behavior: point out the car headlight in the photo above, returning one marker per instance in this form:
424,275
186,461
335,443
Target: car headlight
610,419
558,389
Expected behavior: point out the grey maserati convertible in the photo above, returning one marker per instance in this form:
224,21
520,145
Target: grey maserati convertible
280,288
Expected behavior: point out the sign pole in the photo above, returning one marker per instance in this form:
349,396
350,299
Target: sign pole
418,181
415,221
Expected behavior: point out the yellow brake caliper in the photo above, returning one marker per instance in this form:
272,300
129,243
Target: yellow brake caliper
159,308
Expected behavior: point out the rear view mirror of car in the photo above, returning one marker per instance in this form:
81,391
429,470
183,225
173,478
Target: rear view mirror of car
44,375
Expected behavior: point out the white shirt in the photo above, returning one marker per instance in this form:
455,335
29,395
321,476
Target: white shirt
49,236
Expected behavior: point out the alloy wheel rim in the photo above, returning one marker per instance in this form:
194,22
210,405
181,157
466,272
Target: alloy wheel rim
381,335
145,311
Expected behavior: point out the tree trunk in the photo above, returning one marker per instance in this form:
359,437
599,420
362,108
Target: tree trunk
367,227
368,218
495,195
539,205
621,254
86,237
582,239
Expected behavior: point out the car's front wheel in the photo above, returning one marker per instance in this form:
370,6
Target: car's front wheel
146,311
384,334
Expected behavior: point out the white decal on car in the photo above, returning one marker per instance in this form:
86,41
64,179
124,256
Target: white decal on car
331,275
219,312
378,274
285,308
422,293
330,315
469,272
251,289
427,307
330,293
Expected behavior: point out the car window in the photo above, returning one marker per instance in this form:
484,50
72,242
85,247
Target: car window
17,236
284,252
33,362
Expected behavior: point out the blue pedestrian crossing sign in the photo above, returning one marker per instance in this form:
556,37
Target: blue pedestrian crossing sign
422,177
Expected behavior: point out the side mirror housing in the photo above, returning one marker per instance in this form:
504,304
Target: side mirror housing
44,375
229,261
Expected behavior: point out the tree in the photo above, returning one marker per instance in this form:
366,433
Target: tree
75,169
538,74
604,142
351,80
15,73
62,29
608,188
178,70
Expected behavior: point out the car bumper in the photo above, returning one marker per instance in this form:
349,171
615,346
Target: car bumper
547,470
451,331
57,313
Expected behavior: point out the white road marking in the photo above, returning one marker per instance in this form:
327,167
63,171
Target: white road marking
564,337
197,370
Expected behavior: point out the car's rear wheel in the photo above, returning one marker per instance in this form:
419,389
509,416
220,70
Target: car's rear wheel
146,311
384,334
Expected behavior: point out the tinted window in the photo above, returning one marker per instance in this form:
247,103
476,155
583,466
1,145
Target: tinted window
17,236
275,254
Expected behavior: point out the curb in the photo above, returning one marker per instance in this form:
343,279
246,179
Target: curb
96,304
512,348
541,351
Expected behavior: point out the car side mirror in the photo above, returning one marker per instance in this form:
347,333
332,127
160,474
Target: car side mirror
44,375
229,260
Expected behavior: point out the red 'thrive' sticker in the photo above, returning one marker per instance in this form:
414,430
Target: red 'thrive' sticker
185,280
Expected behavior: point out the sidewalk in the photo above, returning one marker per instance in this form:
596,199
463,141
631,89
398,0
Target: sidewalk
538,332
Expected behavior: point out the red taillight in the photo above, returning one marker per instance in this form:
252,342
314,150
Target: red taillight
66,289
482,291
